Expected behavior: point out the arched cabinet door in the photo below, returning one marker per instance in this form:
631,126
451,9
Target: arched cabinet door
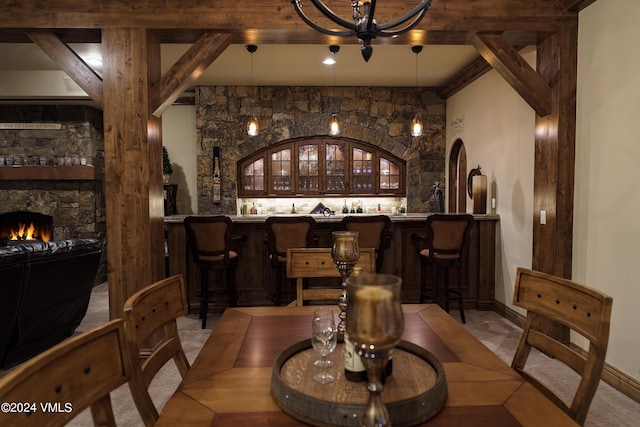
252,175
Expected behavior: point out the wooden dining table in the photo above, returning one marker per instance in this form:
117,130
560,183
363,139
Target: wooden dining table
229,383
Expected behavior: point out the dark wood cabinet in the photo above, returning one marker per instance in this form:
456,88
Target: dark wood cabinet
321,166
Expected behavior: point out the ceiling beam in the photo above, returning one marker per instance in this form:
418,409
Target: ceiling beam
186,70
275,21
575,5
476,69
71,63
515,70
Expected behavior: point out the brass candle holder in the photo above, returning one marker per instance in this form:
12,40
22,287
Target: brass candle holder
375,324
345,254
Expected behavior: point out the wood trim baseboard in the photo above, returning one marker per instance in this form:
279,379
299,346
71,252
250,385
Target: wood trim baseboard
617,379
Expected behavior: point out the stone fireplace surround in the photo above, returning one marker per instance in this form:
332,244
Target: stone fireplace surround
76,206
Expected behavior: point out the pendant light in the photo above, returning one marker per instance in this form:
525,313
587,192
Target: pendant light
416,124
252,125
334,124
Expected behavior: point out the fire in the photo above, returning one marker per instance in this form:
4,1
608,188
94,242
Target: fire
29,232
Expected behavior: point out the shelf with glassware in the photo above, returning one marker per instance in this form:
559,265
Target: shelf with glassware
327,166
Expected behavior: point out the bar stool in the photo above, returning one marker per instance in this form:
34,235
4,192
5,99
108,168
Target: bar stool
445,246
282,233
373,232
213,249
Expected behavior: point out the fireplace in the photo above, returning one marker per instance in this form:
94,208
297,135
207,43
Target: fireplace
24,226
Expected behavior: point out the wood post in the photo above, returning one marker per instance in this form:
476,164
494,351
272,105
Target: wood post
132,140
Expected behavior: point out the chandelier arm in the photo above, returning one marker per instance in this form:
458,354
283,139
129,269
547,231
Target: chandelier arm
422,9
369,12
329,14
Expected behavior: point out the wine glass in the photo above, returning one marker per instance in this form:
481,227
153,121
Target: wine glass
374,324
324,337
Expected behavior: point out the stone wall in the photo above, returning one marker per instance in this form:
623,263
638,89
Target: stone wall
77,207
376,115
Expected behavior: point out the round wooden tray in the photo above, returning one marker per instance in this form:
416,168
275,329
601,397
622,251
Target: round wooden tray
414,393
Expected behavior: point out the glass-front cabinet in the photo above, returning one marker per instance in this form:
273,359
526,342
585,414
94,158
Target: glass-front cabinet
363,178
335,178
252,171
308,169
321,165
280,167
390,177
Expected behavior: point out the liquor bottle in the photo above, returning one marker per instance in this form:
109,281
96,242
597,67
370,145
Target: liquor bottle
254,210
345,209
293,208
354,369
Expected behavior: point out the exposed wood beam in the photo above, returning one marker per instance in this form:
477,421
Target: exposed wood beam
275,21
515,70
186,70
71,63
476,69
575,5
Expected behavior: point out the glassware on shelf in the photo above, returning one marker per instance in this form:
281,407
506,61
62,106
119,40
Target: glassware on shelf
374,324
324,337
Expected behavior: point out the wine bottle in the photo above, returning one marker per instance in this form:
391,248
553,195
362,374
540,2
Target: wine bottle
353,367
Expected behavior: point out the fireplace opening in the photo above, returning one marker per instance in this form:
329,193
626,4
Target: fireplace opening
23,226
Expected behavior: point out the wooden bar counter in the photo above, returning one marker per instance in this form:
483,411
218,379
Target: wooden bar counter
255,277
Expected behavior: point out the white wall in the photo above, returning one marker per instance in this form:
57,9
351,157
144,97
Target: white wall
179,136
497,128
606,252
498,132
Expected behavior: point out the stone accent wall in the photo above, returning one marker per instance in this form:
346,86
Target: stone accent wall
77,207
377,115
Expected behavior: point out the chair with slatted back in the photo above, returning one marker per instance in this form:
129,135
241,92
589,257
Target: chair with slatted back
214,249
150,315
581,309
445,246
373,232
282,233
78,373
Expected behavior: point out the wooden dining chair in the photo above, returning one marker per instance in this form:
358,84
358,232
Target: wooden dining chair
75,374
583,310
444,247
373,232
150,315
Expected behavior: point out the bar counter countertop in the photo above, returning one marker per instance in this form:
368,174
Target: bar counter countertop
255,278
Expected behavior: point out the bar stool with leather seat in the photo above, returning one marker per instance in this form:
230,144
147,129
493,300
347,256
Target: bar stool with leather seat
444,247
282,233
373,232
214,250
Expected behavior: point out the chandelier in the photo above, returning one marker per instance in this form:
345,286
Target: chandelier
364,26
